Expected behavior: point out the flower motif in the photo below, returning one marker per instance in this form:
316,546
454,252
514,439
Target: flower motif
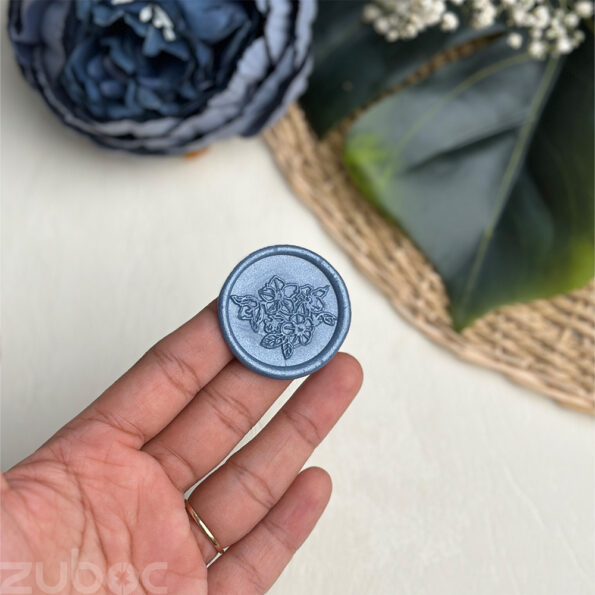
298,329
312,298
287,314
164,76
277,296
249,309
272,324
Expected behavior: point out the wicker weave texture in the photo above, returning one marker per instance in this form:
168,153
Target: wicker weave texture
546,345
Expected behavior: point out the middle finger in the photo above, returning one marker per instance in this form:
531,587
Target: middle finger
209,427
234,498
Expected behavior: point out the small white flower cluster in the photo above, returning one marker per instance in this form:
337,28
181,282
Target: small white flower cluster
156,15
544,29
159,19
406,19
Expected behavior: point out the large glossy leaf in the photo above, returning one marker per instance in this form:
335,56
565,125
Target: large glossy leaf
353,64
488,166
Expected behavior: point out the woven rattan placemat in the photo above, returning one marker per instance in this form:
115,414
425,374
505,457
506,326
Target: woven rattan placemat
546,345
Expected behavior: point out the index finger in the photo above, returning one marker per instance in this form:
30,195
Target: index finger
147,397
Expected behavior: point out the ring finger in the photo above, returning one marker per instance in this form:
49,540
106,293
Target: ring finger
233,499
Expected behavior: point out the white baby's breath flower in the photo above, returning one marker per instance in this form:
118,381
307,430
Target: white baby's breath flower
485,18
515,40
371,13
410,32
517,15
564,45
578,37
538,49
450,21
382,25
584,9
542,16
571,20
551,30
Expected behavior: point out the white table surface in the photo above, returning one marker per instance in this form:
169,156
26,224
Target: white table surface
448,479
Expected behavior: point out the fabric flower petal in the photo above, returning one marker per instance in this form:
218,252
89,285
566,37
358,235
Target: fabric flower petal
165,76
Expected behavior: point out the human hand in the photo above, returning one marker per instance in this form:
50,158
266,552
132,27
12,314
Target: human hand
102,502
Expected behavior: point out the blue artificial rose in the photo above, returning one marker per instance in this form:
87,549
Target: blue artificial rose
164,76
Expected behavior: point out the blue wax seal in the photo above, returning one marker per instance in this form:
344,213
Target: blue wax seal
284,311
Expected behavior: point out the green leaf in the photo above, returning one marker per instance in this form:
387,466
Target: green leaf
488,166
353,64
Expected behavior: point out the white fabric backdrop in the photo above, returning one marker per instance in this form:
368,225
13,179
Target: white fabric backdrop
448,479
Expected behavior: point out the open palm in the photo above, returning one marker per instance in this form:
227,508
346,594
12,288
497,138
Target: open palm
100,507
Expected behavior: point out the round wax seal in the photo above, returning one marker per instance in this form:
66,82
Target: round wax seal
284,311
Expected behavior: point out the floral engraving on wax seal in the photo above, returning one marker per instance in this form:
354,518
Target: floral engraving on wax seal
287,314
